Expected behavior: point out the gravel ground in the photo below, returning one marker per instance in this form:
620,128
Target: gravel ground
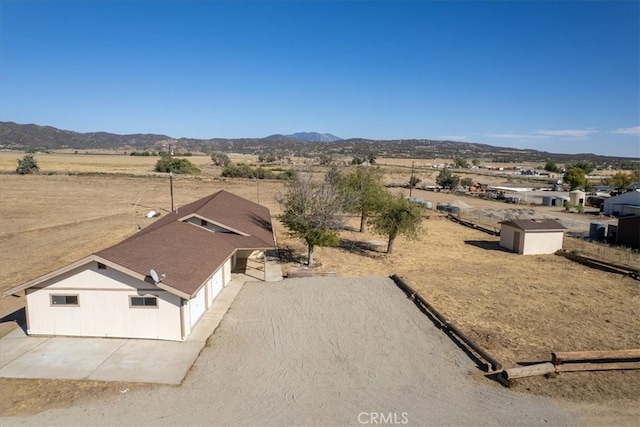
321,351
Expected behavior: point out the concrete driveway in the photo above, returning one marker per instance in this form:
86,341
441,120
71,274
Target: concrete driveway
111,359
320,351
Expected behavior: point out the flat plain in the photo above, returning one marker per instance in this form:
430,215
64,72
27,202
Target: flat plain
518,308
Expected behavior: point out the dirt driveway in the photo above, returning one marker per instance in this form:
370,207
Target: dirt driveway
320,352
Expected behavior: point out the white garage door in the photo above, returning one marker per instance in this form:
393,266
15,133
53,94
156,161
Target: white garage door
197,307
215,285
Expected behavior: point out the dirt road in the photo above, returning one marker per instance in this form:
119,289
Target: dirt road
327,351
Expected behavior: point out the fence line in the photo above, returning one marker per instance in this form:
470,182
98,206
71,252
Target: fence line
492,366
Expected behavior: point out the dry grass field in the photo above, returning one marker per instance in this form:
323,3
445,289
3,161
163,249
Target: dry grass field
518,308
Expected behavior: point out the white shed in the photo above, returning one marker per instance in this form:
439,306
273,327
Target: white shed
625,204
532,236
114,293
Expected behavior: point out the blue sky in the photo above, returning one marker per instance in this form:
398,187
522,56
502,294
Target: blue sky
560,76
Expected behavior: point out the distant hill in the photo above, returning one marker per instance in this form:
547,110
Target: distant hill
18,136
314,137
14,136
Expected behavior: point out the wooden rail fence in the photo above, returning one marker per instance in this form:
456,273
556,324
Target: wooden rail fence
492,364
576,361
600,265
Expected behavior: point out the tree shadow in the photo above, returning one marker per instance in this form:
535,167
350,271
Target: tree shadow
19,316
263,223
490,245
289,255
359,247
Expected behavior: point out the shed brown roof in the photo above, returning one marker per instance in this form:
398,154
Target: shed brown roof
535,225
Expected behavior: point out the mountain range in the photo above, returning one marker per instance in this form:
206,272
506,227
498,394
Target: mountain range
14,136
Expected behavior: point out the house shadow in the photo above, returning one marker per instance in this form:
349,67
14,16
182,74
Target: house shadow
490,245
19,316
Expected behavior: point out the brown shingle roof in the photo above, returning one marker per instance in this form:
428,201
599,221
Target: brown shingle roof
230,211
535,224
187,253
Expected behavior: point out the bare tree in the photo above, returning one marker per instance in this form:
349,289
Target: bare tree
312,211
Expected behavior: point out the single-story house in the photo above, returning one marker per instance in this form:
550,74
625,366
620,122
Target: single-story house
156,284
625,204
532,236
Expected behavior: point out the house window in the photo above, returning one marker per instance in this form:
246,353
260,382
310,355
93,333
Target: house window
151,302
64,300
203,222
101,266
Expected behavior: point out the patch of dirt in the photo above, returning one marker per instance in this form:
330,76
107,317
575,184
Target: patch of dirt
24,396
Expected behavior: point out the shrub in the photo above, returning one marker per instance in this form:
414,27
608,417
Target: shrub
220,159
243,170
177,166
28,164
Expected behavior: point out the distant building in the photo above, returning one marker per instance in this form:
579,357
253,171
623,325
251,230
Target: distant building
532,236
626,204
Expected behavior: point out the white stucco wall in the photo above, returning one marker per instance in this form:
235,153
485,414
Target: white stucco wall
531,243
506,236
104,307
542,242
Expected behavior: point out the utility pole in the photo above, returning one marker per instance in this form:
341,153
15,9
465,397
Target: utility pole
171,188
171,175
258,188
411,180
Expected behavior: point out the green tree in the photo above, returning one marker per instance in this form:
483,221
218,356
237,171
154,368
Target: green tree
398,217
220,159
312,211
239,170
586,166
176,165
551,166
460,162
466,182
475,162
576,178
27,164
364,192
446,179
621,180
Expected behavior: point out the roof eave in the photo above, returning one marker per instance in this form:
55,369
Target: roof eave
67,268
